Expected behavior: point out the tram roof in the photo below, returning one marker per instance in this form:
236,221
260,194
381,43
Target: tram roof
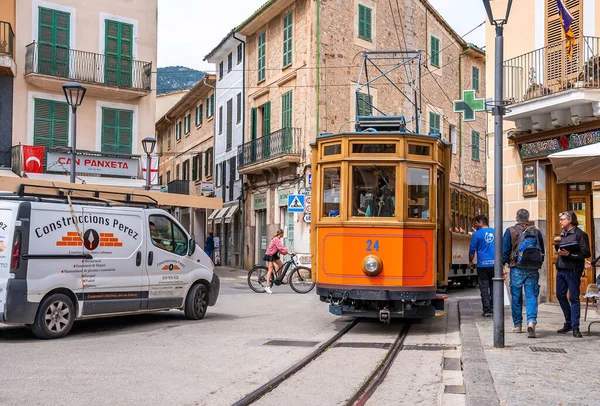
378,133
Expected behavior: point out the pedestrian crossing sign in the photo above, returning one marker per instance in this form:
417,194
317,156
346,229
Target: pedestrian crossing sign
296,203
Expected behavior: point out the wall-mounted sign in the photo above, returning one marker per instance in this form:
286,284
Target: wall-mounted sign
207,187
260,202
99,165
282,196
546,147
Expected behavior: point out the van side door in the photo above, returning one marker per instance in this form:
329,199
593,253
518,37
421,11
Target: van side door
166,261
114,280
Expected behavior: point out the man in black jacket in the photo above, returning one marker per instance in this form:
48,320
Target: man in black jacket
570,265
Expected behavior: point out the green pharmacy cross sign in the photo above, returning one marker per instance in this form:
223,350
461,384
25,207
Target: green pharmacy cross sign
469,105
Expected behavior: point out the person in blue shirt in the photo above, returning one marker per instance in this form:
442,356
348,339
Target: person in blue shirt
521,278
482,244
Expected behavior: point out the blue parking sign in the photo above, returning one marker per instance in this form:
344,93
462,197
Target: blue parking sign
296,203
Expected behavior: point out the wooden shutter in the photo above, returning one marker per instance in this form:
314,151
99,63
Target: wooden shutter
51,125
364,22
125,131
475,78
475,145
435,51
238,108
200,115
286,112
365,102
229,126
253,123
559,66
262,56
266,129
54,40
287,39
117,130
118,53
199,157
109,130
221,120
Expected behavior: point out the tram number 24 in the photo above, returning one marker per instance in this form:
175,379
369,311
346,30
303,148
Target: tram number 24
372,245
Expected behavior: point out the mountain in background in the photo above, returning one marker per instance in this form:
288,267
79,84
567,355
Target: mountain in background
173,78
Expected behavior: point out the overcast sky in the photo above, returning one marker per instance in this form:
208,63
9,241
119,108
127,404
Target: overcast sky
189,29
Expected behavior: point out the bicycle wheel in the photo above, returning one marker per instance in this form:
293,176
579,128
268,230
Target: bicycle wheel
257,278
301,280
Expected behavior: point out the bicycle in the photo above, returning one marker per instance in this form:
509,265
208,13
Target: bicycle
300,279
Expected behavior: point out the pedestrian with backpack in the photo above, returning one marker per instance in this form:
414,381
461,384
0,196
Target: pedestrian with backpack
573,247
523,251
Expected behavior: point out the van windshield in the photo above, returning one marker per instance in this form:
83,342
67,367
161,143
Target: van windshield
167,235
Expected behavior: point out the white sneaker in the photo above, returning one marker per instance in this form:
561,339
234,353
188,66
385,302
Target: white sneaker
268,290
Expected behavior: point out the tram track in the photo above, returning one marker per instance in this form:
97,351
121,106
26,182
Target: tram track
362,395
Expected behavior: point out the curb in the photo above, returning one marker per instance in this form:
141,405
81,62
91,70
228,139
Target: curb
479,383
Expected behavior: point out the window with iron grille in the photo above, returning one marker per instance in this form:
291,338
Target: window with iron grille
240,54
238,106
364,22
117,130
435,51
229,62
475,145
229,125
434,123
364,104
287,39
221,70
262,57
51,125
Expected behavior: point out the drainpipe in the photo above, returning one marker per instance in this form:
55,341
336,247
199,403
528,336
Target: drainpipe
460,135
243,209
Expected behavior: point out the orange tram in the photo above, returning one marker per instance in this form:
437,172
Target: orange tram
381,220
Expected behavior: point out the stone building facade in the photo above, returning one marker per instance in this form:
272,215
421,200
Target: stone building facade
303,64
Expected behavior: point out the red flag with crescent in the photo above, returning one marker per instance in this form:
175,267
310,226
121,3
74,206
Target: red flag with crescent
33,159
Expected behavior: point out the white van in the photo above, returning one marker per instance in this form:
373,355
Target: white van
63,261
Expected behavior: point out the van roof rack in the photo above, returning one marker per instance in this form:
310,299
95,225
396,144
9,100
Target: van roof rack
28,188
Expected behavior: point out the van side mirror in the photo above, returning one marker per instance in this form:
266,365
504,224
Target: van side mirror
191,246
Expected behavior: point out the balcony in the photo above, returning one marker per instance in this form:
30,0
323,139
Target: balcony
275,150
104,75
548,89
7,55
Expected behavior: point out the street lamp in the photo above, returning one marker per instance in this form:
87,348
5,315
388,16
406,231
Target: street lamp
148,143
74,93
498,112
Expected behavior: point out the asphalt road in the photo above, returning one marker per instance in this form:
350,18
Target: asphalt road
161,358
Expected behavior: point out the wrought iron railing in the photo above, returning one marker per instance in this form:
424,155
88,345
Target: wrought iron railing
7,39
553,69
87,67
281,142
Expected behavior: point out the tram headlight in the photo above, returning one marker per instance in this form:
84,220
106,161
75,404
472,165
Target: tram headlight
372,265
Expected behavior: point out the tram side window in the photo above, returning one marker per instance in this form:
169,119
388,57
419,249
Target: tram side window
331,192
374,191
418,193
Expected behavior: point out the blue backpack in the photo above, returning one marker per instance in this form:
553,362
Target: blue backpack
528,250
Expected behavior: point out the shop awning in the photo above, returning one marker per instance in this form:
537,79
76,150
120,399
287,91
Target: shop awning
212,216
220,215
231,213
577,165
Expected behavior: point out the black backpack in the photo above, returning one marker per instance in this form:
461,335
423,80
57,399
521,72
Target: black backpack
528,250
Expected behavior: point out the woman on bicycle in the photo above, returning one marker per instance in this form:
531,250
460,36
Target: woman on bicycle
272,256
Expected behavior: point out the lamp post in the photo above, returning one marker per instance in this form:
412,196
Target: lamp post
74,93
498,112
148,143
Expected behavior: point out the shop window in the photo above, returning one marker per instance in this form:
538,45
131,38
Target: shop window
418,193
331,192
373,191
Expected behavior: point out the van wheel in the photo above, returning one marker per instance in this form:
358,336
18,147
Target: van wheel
196,302
54,318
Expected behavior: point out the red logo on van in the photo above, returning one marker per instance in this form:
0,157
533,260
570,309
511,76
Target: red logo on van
91,240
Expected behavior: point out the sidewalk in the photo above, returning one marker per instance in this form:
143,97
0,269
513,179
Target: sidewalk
563,371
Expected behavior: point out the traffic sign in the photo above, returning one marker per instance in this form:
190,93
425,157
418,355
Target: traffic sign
308,208
308,200
309,179
296,204
307,218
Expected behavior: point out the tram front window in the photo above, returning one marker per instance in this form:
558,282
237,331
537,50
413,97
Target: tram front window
331,192
418,193
373,191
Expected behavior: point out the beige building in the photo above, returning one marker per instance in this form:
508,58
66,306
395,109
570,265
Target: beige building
164,102
110,48
185,135
8,70
553,107
303,64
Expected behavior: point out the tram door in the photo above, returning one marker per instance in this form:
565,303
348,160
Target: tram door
441,227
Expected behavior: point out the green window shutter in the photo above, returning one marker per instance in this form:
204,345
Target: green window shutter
200,115
253,123
51,124
196,122
364,22
435,51
221,120
475,146
117,130
118,53
287,39
54,41
238,108
262,58
286,110
212,104
199,156
266,119
169,140
364,104
475,78
434,123
195,168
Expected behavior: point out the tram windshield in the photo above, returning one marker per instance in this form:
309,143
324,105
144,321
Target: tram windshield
373,191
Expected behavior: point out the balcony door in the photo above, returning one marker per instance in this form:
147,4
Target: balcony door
53,42
118,54
266,130
562,66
